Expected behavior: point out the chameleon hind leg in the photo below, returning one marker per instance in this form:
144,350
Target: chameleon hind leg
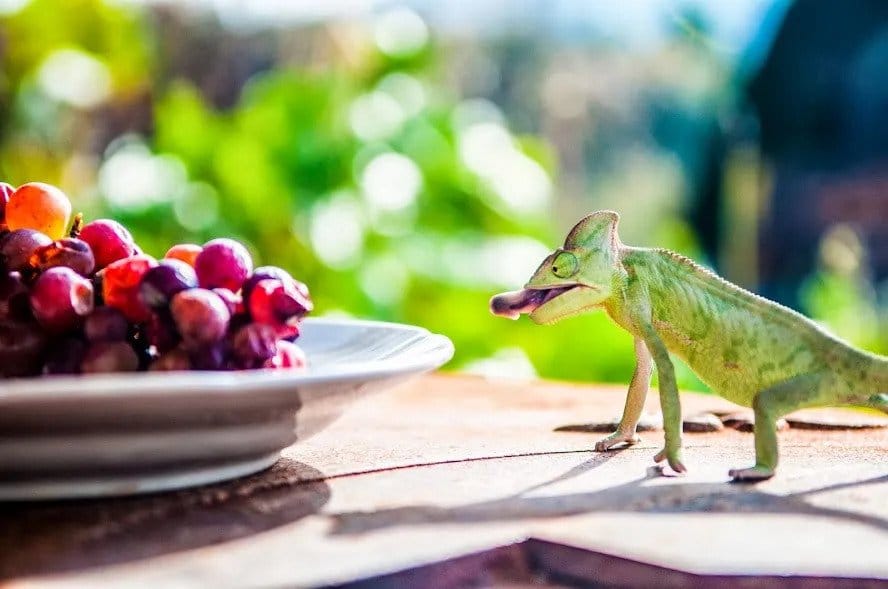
806,390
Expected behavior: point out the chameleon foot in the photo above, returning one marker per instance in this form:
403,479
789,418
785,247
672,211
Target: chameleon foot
673,458
616,439
755,473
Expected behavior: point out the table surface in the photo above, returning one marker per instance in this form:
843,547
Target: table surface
450,465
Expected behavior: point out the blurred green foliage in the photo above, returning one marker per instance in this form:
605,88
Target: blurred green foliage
368,178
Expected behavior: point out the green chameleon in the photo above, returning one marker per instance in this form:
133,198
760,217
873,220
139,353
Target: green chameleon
748,349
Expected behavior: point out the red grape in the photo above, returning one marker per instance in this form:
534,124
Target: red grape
161,332
201,317
175,359
14,303
287,355
21,348
65,357
223,263
5,192
106,324
109,357
17,247
120,286
61,299
109,240
274,302
68,251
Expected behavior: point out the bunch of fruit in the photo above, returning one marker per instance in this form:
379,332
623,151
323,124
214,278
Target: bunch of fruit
85,299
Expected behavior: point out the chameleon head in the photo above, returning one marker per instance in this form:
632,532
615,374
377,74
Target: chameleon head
573,279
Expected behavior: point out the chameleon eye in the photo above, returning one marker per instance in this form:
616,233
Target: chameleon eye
565,265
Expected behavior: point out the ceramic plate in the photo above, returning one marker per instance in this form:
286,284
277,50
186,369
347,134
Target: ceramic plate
137,433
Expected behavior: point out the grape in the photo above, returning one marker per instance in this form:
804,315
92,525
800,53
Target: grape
109,240
21,348
39,206
14,303
161,282
65,357
274,302
109,357
61,298
212,357
176,359
69,251
287,355
187,252
201,317
120,286
223,263
253,345
17,247
5,191
161,333
106,324
263,273
273,272
232,301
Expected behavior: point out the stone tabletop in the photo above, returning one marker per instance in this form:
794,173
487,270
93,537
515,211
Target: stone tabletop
451,475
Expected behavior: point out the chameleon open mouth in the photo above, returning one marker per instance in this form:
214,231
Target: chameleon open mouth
512,304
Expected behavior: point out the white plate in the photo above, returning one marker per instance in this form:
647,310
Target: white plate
124,434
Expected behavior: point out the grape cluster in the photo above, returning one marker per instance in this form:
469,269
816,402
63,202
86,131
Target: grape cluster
87,300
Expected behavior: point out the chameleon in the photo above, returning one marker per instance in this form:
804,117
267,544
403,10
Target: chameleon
746,348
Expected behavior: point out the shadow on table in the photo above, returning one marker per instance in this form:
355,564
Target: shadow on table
632,497
44,538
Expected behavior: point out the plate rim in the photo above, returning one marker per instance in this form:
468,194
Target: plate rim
119,386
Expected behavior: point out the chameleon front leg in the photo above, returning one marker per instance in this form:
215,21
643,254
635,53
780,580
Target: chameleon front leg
638,388
669,402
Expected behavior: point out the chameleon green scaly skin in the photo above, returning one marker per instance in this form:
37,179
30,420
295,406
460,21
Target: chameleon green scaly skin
748,349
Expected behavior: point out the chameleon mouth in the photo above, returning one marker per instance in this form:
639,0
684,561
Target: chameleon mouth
512,304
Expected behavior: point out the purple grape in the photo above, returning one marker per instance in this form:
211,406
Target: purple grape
223,263
106,324
17,247
109,357
212,357
232,301
21,349
65,357
201,317
69,251
161,332
253,345
61,299
175,359
161,282
14,303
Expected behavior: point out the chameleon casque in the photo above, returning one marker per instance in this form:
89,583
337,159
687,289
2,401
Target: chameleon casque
748,349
